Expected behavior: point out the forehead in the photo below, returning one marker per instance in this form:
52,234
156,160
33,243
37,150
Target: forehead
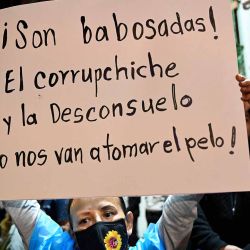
94,203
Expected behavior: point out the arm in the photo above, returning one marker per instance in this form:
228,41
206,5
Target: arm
38,230
177,219
24,215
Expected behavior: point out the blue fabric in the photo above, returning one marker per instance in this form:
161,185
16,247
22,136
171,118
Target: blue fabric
48,235
151,240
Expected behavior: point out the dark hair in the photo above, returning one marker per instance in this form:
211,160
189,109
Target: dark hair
122,203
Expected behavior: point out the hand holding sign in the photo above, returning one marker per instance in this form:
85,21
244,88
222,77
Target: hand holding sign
244,87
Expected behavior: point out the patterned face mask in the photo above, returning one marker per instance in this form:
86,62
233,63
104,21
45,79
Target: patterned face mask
103,236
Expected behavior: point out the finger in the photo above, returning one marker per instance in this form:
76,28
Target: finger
244,83
247,107
240,78
245,98
245,90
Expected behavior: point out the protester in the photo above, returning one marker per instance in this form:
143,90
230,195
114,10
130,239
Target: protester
96,222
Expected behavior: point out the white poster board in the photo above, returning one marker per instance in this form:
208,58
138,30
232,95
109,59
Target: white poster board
120,98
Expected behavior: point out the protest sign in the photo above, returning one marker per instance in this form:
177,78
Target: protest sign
119,98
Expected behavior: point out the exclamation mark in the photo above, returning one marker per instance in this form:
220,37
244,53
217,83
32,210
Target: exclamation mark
212,20
233,140
5,36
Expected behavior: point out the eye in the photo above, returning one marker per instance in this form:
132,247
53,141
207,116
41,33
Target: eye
83,221
109,214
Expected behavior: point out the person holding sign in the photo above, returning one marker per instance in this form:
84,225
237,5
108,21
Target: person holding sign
103,224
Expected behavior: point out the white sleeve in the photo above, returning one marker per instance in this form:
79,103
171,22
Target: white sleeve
176,222
24,215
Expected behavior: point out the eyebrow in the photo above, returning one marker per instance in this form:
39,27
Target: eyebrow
108,207
102,208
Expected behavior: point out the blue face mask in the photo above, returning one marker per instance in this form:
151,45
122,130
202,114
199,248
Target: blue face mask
103,236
